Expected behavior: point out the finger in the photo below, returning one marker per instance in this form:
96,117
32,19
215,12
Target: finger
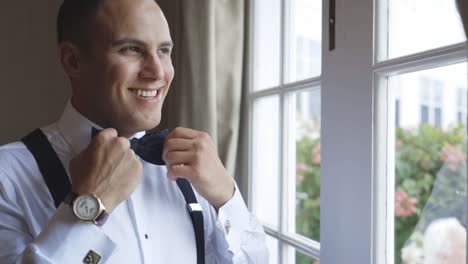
122,142
117,148
182,132
105,135
180,171
137,165
179,157
109,132
177,144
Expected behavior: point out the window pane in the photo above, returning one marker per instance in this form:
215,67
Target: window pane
272,244
420,25
266,51
304,259
304,40
430,169
265,163
304,163
295,256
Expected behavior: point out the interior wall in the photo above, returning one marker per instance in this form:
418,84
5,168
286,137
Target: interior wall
33,87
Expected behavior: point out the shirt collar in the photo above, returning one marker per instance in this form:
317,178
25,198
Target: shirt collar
76,129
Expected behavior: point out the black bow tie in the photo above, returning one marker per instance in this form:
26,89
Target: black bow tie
149,147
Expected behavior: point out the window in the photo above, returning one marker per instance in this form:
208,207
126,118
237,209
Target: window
285,126
347,145
426,177
430,170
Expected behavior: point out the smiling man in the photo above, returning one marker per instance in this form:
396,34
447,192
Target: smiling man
126,196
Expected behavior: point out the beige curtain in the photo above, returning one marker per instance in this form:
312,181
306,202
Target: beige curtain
206,93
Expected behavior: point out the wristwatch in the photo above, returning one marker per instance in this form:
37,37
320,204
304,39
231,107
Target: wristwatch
88,208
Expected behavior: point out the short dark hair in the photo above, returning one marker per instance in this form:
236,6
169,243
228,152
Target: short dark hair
71,17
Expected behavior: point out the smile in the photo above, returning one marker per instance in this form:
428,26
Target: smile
145,93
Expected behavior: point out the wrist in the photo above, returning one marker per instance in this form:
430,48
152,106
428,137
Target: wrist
105,198
87,208
225,197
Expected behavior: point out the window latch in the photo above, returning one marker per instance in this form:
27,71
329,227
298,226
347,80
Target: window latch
331,25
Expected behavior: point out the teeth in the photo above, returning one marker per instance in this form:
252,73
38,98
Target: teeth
144,93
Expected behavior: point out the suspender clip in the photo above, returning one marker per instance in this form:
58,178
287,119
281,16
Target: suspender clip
194,207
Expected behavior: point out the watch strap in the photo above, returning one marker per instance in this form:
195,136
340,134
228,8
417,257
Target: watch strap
71,196
102,218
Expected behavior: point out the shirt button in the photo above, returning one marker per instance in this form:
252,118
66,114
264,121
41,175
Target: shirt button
227,226
146,236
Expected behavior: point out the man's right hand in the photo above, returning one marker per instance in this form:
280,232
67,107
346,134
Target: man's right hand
108,168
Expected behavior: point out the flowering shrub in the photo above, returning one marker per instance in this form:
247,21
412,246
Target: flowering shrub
423,155
420,155
308,191
404,204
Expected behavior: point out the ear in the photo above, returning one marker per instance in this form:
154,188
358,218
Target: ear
70,57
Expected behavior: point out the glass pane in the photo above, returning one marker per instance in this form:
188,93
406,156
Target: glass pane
420,25
266,43
265,160
295,256
305,39
304,259
430,167
304,159
272,244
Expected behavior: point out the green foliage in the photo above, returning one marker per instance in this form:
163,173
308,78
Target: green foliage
419,158
308,188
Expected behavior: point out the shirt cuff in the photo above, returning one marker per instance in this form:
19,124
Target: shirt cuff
68,240
233,220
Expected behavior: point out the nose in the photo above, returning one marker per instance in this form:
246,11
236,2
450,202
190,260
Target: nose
152,68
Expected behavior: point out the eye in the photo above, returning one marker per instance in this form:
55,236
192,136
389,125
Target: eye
165,51
132,50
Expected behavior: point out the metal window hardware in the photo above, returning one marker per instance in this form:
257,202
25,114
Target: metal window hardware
331,25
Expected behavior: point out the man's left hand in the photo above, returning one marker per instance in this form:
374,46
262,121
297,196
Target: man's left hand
192,155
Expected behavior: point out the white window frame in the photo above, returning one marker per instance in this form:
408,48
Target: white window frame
357,168
303,245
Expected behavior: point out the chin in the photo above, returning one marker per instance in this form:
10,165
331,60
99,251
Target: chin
146,124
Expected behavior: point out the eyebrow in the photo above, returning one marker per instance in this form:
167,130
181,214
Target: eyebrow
123,41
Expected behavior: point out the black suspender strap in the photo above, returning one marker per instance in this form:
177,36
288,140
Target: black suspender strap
57,181
196,214
51,167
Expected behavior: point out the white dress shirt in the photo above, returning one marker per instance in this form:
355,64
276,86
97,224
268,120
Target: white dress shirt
152,226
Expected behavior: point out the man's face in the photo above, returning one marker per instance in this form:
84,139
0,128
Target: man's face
126,69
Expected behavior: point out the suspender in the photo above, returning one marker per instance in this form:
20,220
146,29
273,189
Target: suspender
196,215
49,164
57,181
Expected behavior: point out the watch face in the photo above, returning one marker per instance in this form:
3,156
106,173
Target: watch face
86,207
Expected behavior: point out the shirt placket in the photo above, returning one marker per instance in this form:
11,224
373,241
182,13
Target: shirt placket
139,225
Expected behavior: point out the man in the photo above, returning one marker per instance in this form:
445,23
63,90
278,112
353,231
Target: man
121,209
